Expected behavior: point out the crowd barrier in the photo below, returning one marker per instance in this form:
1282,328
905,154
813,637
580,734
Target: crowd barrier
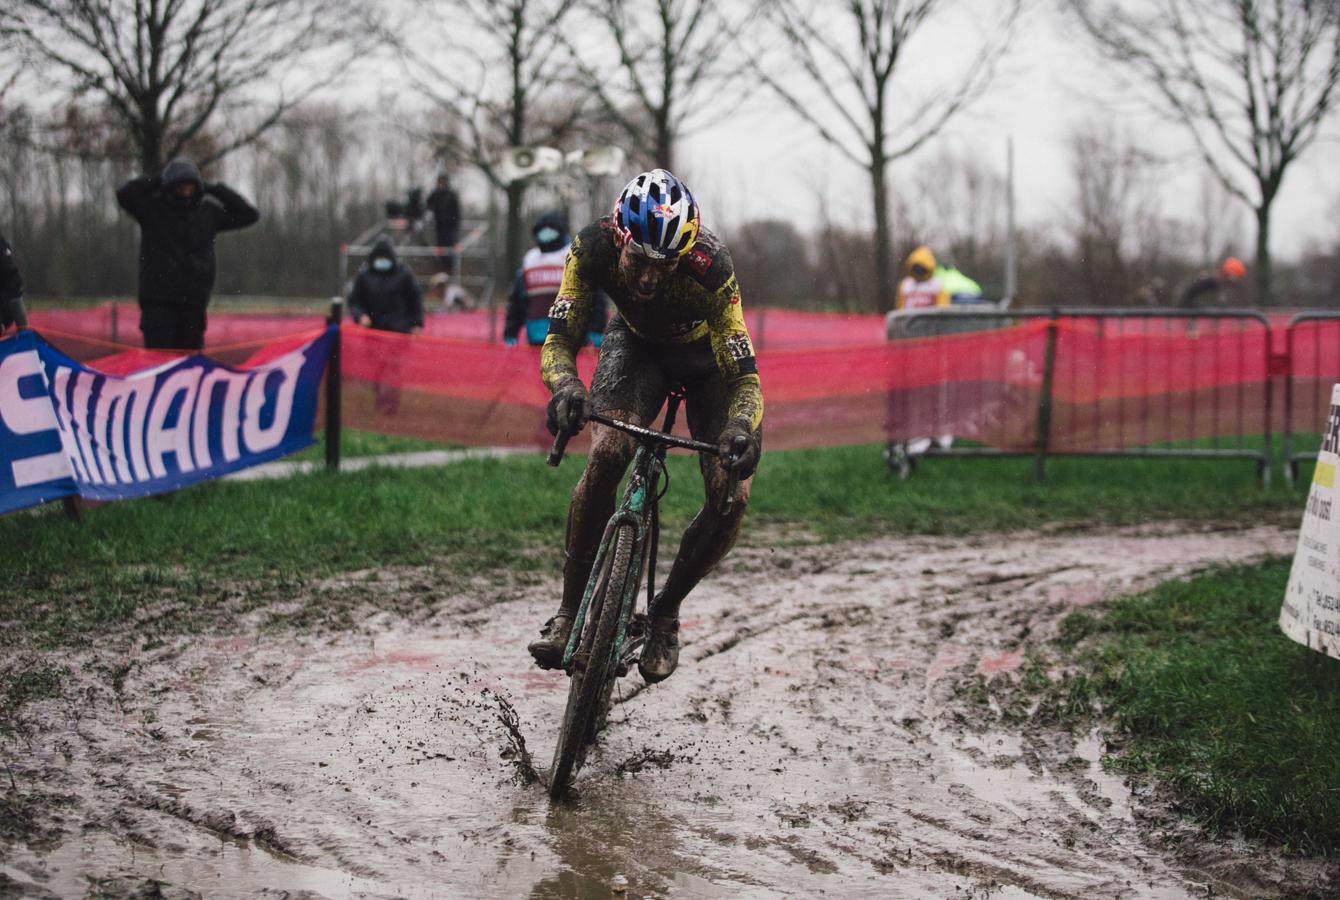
1095,382
1025,382
86,333
1312,353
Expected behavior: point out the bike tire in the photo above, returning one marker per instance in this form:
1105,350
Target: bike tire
589,690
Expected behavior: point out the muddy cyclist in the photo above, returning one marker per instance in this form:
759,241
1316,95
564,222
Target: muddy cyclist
678,323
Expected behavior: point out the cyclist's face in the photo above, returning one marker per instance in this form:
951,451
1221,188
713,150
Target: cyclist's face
643,275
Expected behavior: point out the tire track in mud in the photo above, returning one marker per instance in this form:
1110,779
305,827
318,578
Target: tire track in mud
822,734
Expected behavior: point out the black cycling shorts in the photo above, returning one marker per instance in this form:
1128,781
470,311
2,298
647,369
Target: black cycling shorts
635,375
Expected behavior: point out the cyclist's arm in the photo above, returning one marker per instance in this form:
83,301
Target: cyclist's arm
567,323
734,353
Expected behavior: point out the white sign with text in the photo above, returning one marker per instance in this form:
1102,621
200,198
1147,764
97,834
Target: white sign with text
1311,611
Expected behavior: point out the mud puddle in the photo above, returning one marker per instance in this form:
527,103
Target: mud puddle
818,740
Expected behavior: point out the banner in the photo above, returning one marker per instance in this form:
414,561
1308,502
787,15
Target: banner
1311,611
66,428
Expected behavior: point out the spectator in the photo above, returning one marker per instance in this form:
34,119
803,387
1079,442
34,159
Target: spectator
961,290
1210,288
179,216
446,209
537,283
385,295
11,289
921,288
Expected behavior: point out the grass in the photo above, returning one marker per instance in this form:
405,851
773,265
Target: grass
197,548
1213,700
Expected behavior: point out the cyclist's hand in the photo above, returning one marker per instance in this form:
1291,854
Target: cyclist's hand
567,409
740,447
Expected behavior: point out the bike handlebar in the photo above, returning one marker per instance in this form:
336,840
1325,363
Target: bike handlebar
646,434
738,446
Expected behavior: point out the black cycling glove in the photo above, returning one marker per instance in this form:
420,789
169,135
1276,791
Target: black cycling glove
740,447
567,410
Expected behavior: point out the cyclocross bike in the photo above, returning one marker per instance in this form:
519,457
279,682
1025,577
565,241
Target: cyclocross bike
608,633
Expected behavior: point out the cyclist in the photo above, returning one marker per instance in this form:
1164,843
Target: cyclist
678,322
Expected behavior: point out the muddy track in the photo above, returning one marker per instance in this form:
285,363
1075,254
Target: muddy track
827,732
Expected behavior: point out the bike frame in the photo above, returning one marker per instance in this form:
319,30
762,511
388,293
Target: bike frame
639,508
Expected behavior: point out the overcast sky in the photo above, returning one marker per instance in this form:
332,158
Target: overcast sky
1051,81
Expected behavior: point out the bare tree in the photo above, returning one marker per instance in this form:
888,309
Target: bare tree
483,114
1250,81
169,69
846,56
958,202
1113,201
675,62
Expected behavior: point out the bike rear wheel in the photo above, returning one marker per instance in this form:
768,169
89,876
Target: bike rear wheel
590,687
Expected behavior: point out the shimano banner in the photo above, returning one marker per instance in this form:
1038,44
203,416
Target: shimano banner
66,428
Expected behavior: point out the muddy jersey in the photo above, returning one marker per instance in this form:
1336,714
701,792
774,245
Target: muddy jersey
697,303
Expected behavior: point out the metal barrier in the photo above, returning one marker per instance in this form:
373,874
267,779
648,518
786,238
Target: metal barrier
1149,424
1320,395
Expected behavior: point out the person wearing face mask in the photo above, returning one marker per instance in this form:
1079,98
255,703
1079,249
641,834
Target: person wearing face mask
179,215
386,296
536,286
678,323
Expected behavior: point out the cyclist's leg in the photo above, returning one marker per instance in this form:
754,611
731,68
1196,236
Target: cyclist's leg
710,535
627,385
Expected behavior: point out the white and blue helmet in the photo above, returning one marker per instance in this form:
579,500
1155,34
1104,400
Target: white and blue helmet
657,214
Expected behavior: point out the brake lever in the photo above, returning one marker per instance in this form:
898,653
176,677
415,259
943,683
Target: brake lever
738,446
556,452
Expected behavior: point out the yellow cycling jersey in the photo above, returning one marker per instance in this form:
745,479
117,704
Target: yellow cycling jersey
699,301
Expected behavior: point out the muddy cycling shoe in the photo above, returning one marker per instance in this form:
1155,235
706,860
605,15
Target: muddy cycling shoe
549,649
660,655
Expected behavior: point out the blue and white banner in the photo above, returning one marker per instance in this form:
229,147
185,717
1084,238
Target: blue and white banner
68,429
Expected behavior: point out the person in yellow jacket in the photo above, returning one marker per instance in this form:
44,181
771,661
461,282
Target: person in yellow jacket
922,288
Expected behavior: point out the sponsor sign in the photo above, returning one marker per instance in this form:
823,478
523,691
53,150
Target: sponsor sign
68,429
1311,611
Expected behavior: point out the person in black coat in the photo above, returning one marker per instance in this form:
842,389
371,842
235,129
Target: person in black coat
445,206
179,216
385,295
11,289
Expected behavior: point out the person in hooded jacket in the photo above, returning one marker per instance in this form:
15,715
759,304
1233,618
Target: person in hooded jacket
385,296
536,286
179,216
11,289
921,287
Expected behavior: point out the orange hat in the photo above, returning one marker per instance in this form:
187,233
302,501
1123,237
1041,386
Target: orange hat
1232,269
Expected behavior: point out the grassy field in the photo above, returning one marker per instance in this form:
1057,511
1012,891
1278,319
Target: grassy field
66,579
1216,703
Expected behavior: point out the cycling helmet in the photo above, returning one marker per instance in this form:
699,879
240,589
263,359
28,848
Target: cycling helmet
657,213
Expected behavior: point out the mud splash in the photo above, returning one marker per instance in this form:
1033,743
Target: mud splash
821,736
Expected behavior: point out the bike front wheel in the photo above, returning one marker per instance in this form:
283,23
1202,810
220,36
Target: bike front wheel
590,685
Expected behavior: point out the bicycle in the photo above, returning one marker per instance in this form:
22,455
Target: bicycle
607,633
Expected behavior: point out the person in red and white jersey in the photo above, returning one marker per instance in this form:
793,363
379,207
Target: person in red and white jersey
922,288
536,285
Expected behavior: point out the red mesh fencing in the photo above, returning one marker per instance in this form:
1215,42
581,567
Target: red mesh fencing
119,323
1311,360
1116,383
